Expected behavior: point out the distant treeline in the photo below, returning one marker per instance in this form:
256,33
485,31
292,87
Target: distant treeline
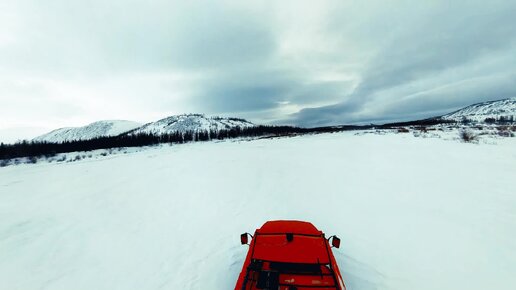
424,122
499,120
48,149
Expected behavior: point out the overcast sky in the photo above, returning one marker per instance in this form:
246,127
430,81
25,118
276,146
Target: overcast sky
307,63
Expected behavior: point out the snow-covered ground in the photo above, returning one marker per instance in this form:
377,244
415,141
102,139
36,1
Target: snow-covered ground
412,213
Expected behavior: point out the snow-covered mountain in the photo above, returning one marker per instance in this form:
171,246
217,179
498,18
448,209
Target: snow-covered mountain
179,123
93,130
482,111
191,122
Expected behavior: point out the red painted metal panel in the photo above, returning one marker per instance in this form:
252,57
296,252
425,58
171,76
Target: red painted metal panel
303,259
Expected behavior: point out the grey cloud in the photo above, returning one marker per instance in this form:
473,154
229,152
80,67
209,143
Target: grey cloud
308,93
243,91
443,39
332,61
246,90
119,36
424,105
241,99
455,97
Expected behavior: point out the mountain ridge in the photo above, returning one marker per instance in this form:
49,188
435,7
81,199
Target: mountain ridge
177,123
191,122
480,112
96,129
490,111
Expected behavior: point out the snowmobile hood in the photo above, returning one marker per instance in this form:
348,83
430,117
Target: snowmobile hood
288,241
284,226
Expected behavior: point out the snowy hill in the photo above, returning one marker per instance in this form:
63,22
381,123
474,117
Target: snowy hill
412,213
179,123
93,130
191,122
481,111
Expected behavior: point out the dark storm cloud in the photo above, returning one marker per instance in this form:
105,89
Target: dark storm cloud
226,98
444,39
422,105
249,90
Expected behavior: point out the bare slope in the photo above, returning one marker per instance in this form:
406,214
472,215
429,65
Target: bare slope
93,130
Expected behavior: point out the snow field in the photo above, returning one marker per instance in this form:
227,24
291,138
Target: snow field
412,213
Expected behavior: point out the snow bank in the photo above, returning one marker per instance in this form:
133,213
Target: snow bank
412,213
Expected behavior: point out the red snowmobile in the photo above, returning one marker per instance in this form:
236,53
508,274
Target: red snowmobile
289,255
